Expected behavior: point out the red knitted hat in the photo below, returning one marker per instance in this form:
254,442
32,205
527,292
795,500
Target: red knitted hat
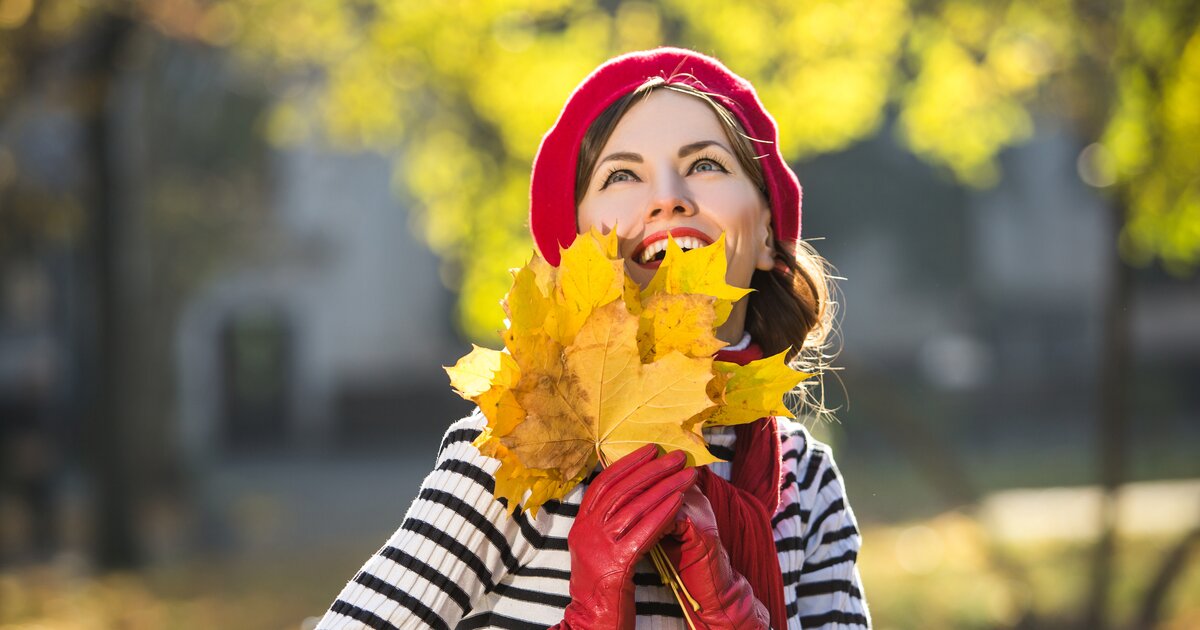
552,190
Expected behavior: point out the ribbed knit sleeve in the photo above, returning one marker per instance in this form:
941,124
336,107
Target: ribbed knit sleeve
454,546
828,589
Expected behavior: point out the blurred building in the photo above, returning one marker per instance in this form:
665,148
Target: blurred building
311,394
337,339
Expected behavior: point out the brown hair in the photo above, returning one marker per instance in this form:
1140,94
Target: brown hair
792,306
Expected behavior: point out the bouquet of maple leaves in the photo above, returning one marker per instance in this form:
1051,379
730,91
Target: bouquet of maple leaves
594,367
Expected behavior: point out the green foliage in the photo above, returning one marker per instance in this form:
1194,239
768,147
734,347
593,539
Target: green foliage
1154,133
827,71
976,66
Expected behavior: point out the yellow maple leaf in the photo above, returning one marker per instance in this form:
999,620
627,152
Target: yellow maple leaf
487,377
752,391
527,304
528,488
472,375
632,296
678,323
519,484
590,275
700,271
606,402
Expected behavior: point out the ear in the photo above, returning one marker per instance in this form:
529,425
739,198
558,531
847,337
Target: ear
766,242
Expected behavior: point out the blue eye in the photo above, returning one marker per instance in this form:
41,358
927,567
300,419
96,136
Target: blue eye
707,165
618,175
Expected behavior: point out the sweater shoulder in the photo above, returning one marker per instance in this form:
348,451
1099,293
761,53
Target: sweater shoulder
795,436
474,421
808,463
462,432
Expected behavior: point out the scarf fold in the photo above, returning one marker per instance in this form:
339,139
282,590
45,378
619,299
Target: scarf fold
744,504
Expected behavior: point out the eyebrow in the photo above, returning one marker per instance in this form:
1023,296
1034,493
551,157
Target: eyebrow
689,149
684,151
622,157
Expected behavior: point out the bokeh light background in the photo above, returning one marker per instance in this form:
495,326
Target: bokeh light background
239,238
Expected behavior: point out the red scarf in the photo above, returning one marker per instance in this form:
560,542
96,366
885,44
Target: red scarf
744,505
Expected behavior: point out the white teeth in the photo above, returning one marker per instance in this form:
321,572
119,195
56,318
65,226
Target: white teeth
684,242
652,250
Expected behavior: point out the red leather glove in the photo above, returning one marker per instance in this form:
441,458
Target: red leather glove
694,547
626,510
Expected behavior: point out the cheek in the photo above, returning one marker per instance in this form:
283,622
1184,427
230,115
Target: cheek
740,218
740,256
740,214
585,217
602,223
604,213
739,271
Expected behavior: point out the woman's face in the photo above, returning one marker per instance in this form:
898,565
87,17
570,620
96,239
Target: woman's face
668,168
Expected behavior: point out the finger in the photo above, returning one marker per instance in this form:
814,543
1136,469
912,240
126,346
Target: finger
653,525
636,509
636,482
681,522
691,502
615,473
691,542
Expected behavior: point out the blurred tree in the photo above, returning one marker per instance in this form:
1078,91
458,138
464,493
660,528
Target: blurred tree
59,47
70,72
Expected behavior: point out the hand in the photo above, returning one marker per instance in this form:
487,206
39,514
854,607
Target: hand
694,547
625,512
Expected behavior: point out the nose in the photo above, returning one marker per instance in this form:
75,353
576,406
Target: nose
670,199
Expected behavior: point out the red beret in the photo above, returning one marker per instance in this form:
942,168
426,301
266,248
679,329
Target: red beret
552,189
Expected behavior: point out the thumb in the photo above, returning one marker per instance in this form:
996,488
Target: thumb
679,527
684,531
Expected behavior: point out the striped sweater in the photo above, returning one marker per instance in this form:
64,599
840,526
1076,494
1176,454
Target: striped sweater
459,561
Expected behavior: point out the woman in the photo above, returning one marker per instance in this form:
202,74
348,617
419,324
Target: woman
656,143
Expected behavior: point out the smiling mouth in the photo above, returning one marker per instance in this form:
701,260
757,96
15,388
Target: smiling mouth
653,249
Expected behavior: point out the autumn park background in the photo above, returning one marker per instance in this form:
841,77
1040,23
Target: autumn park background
238,239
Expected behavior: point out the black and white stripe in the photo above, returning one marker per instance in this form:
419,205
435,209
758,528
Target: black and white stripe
459,560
